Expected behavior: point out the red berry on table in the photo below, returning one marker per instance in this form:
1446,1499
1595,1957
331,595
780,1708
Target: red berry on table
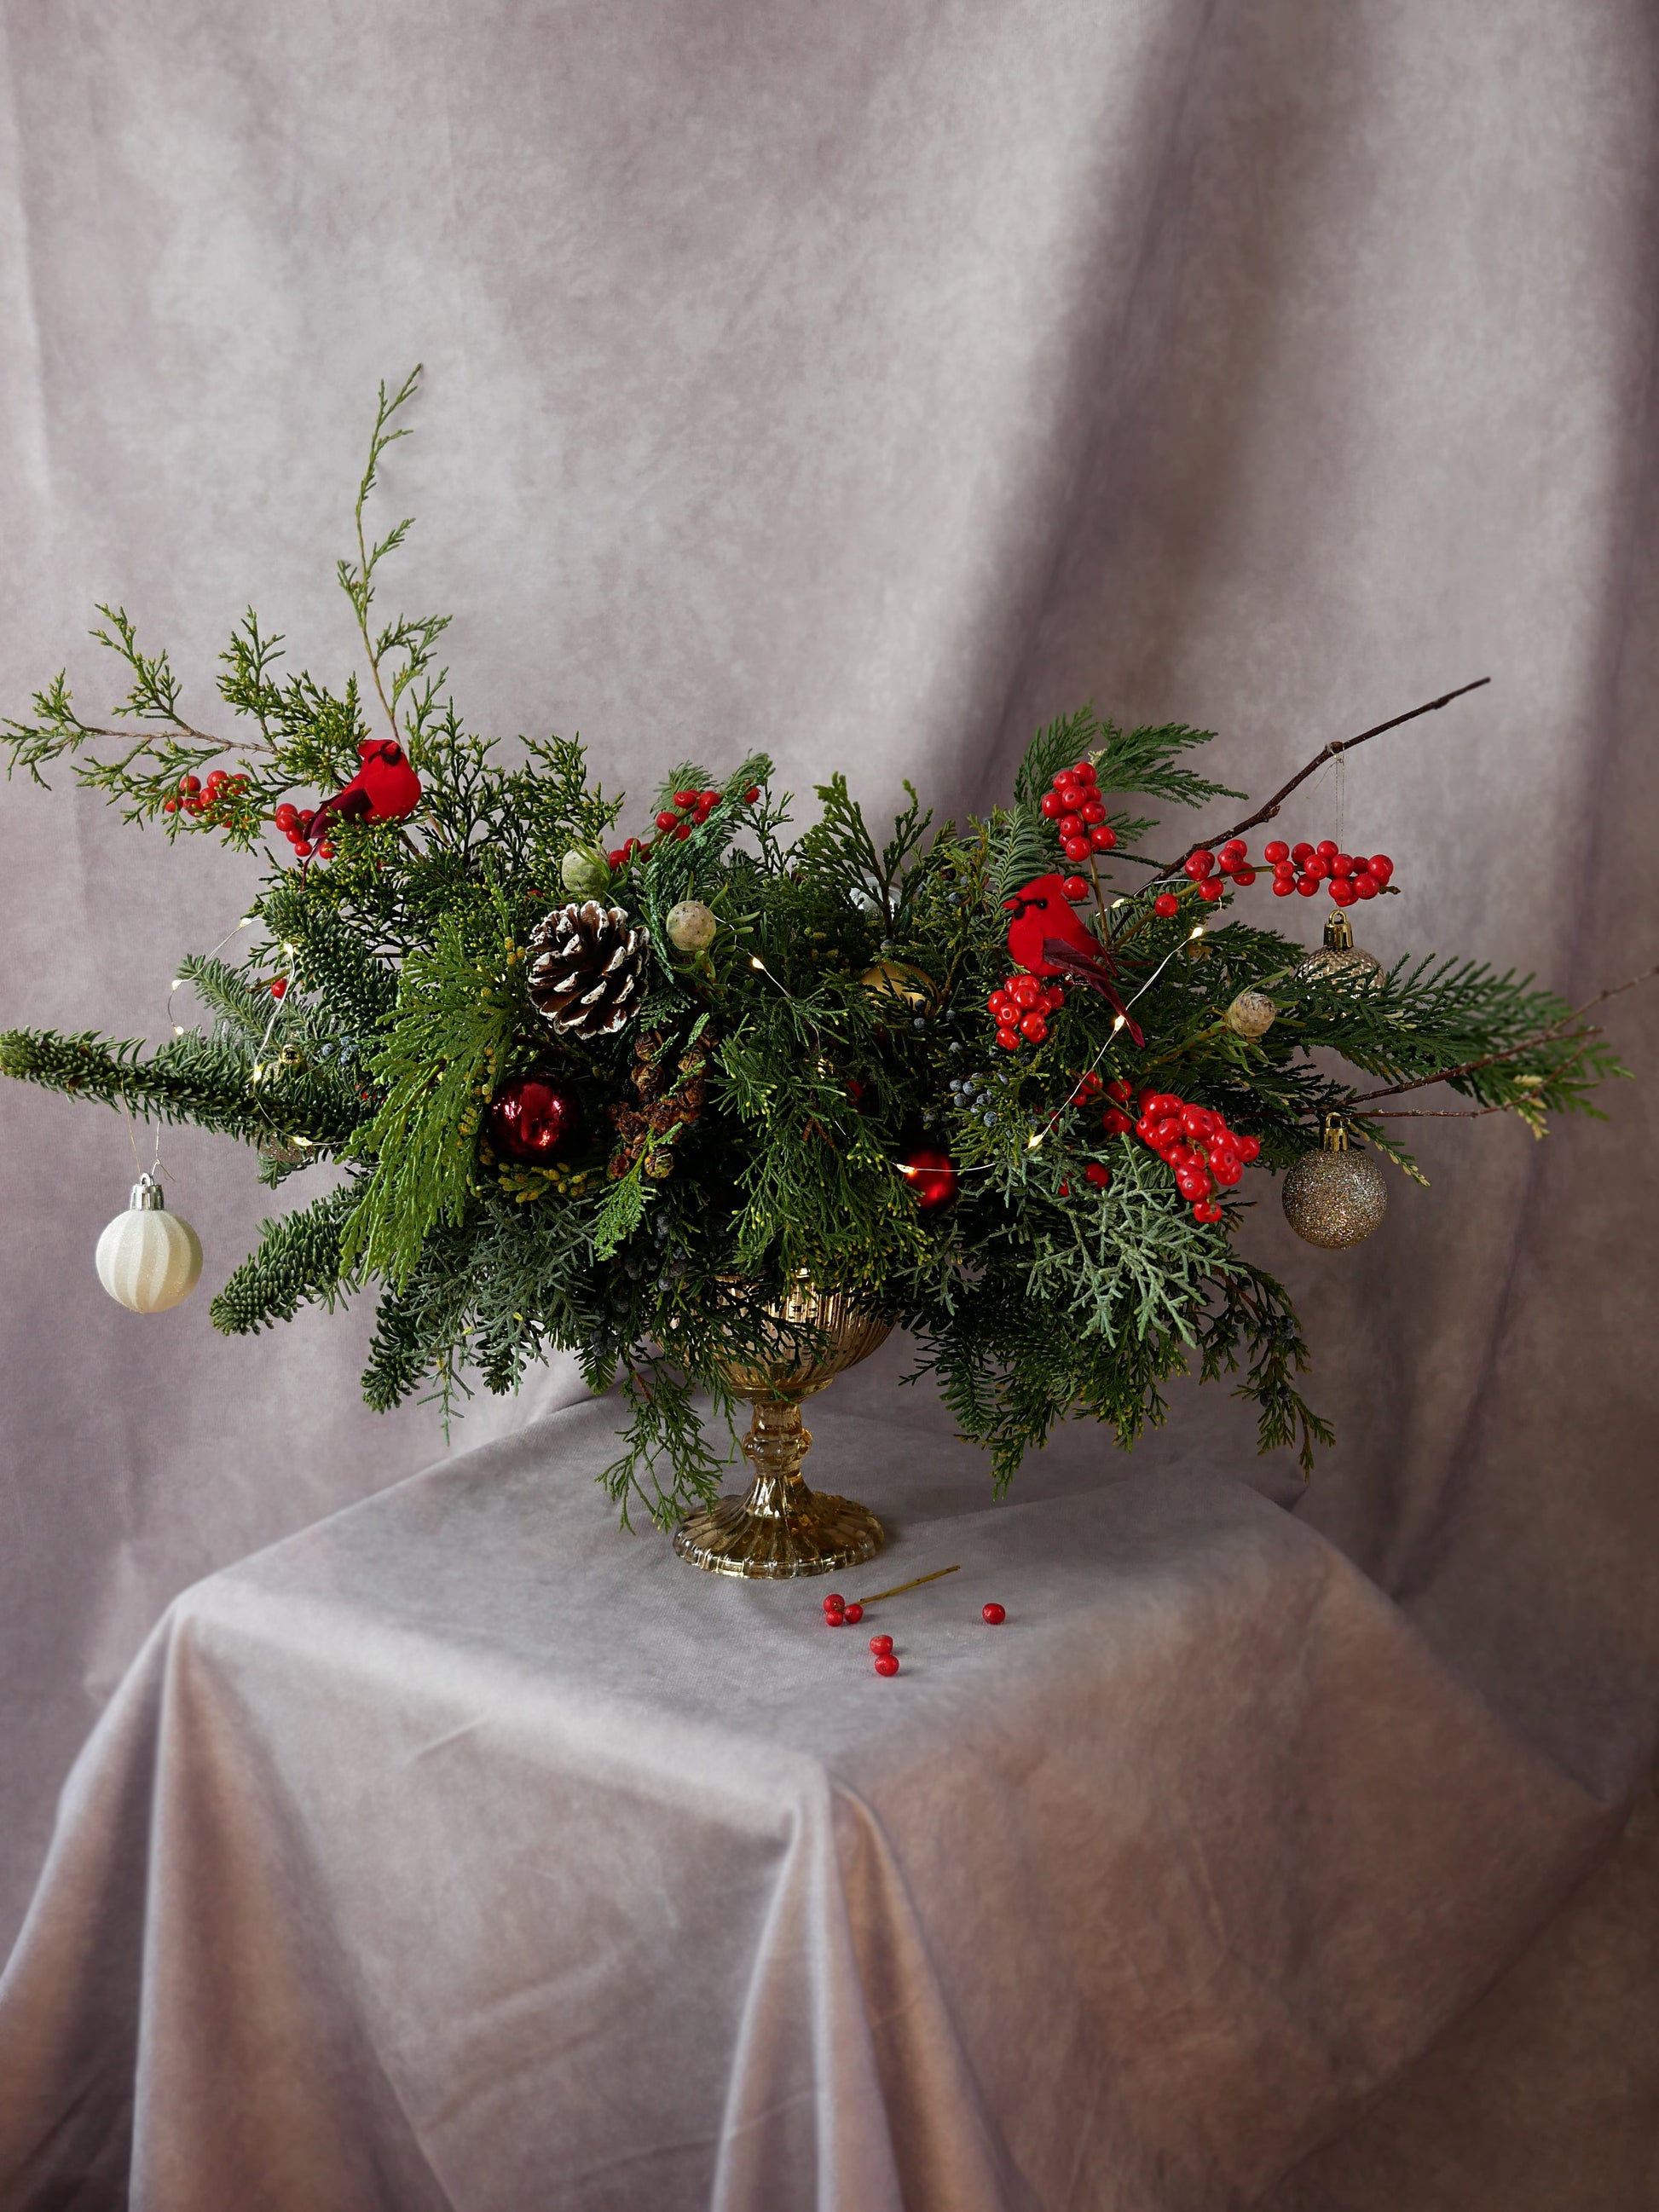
1198,864
835,1603
836,1620
1302,855
1035,1026
1103,837
1276,850
1366,883
885,1663
1075,848
1209,890
1050,807
996,1614
1082,773
1091,812
1077,887
751,794
1307,885
1008,1039
853,1614
1166,905
1098,1175
881,1645
1381,866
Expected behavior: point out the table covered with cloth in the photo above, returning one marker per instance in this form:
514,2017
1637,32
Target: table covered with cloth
465,1852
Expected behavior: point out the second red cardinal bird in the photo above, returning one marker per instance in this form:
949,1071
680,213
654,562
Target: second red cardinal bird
385,789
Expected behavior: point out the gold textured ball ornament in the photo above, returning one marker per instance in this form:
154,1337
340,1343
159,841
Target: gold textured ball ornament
1338,959
147,1259
1251,1015
1335,1197
898,980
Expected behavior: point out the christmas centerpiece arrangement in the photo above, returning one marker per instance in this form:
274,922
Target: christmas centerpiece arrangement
712,1101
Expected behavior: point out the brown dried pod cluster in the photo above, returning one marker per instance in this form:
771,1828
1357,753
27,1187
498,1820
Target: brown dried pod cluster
649,1129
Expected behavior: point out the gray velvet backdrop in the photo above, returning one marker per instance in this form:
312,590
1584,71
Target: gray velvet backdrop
870,382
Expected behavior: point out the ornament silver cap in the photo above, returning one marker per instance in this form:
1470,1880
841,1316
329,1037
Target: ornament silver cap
147,1196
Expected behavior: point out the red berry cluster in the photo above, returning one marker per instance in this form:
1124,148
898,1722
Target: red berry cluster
837,1614
292,825
1078,813
1197,1144
213,804
1021,1007
1305,868
690,810
1295,868
1115,1121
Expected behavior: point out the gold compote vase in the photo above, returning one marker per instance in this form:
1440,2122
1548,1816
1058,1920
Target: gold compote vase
779,1527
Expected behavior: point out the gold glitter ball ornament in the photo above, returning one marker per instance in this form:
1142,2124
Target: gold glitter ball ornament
1335,1197
1251,1015
1338,959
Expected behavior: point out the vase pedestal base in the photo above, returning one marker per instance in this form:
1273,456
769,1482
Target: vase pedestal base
780,1527
818,1535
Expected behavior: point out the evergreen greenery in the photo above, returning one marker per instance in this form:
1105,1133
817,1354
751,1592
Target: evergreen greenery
1034,1297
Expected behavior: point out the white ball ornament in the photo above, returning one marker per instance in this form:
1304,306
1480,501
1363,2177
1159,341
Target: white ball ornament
691,926
148,1258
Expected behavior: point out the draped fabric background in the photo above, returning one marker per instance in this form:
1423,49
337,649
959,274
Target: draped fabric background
869,383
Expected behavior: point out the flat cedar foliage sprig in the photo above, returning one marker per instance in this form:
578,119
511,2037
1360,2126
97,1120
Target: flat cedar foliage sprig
838,1021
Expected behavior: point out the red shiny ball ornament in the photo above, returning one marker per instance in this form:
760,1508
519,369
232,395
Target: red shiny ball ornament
1275,850
1166,905
932,1176
885,1664
881,1645
996,1614
853,1614
533,1118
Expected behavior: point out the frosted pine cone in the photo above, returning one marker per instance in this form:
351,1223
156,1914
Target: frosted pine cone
587,969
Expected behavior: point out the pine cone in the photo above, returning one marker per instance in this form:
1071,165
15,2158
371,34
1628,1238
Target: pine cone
587,969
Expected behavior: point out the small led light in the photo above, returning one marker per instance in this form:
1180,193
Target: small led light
1197,931
177,1029
1031,1143
755,961
177,984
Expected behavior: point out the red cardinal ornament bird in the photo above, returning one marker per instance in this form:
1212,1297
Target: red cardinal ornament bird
385,789
1047,939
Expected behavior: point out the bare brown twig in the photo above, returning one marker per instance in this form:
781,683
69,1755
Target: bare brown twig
1266,812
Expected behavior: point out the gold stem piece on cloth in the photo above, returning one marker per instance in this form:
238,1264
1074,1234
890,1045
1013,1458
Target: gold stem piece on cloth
781,1528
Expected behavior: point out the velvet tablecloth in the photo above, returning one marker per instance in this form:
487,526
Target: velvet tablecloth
465,1852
